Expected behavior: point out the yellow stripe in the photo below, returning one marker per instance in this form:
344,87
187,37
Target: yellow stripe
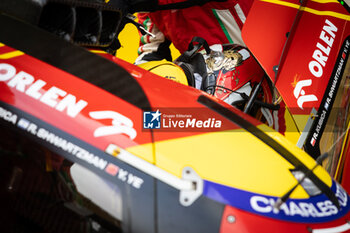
328,13
325,1
1,44
342,153
11,54
307,9
97,51
296,6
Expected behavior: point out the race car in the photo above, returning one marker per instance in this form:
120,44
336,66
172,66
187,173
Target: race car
90,143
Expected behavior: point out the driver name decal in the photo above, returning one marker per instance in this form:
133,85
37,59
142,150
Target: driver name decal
301,208
8,116
309,210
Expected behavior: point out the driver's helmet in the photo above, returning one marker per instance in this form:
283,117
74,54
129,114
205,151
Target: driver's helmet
232,73
166,69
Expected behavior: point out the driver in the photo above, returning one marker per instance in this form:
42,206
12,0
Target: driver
219,23
216,22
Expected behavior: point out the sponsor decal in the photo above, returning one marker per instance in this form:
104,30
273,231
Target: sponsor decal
317,63
300,94
309,210
120,124
158,120
313,141
53,96
62,101
323,49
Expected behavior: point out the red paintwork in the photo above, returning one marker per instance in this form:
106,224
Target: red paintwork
161,93
82,126
236,76
264,32
246,222
299,48
295,67
270,21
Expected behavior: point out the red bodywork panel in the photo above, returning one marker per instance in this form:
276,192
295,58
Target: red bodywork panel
96,99
265,32
42,78
235,220
306,60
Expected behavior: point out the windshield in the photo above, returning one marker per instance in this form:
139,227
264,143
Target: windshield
334,136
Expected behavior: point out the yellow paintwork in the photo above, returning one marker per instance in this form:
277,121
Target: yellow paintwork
340,160
310,10
129,39
325,1
299,153
11,54
167,70
232,158
237,159
292,132
144,151
97,51
301,121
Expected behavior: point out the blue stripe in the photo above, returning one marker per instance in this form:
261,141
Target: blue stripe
310,210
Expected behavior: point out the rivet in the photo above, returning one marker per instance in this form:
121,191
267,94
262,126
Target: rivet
231,219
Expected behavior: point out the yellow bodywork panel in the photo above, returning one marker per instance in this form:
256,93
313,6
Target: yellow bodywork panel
236,159
144,151
292,132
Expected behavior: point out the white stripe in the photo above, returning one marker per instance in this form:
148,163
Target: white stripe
240,13
268,116
338,229
305,132
150,169
231,26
